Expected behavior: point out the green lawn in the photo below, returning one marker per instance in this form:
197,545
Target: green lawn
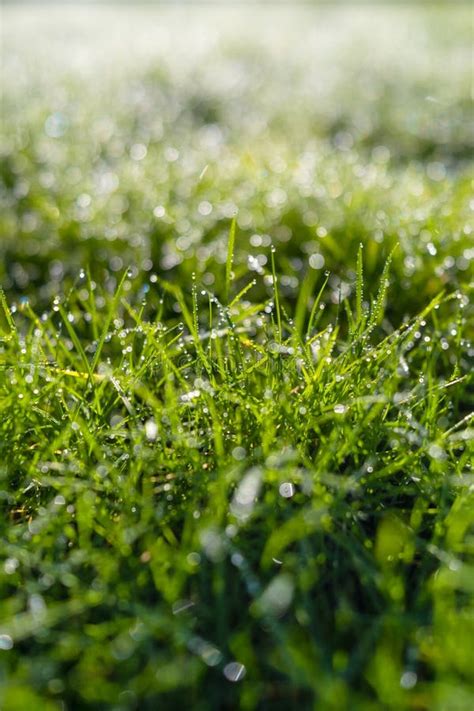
236,350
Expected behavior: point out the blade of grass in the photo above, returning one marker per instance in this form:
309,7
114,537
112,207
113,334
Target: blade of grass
230,259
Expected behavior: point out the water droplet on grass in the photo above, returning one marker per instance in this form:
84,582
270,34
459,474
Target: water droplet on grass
408,680
316,261
286,490
193,558
6,642
151,429
10,565
234,671
239,453
437,452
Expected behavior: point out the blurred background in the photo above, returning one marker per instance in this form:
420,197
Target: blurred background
132,134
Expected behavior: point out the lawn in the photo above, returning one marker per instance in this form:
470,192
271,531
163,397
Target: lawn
236,351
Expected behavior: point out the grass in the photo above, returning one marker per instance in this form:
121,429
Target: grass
236,381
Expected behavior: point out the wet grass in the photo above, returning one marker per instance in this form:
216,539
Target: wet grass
235,366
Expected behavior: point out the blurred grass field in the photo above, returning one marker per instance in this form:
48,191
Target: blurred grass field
236,355
133,136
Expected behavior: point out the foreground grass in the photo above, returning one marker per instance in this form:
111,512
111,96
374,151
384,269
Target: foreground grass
236,348
236,508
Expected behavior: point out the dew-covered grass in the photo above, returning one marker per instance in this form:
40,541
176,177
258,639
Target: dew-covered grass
236,343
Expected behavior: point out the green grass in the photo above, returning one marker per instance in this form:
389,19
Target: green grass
236,345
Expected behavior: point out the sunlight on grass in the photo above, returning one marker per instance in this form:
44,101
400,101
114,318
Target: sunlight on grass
236,345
